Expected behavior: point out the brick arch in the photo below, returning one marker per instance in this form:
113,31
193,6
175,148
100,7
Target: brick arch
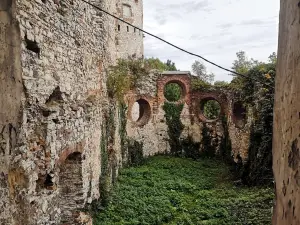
199,97
68,151
183,80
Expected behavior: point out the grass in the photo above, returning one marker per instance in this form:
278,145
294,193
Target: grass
167,190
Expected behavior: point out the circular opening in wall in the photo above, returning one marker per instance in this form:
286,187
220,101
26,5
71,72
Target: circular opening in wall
239,115
141,112
173,92
210,109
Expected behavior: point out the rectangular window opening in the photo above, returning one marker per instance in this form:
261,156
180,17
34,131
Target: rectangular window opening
119,27
127,28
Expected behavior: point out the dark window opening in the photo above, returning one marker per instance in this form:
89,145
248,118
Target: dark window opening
119,27
32,46
127,28
48,181
239,115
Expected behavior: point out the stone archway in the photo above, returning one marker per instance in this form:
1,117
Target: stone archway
70,188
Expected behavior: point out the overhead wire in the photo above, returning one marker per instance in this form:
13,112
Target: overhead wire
233,73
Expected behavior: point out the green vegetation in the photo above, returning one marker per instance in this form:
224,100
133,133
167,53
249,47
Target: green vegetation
200,71
257,93
173,92
155,63
211,109
175,126
168,190
125,75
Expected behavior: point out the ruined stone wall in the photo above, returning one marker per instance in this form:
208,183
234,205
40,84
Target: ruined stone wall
148,125
53,90
129,40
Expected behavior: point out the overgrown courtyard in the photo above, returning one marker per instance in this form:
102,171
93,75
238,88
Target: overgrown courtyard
168,190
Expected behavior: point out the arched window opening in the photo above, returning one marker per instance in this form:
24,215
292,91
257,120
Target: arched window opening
71,197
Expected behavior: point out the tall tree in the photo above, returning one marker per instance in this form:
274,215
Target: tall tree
273,58
199,69
170,65
243,64
155,63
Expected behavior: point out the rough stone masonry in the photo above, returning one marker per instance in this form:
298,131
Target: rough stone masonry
53,56
55,107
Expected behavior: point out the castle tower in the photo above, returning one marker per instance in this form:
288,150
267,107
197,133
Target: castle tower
129,41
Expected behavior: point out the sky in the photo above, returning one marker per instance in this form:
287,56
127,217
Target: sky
214,29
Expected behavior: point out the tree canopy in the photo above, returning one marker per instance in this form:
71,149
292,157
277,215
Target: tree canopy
199,69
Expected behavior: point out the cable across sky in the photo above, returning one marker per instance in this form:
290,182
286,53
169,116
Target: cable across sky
175,46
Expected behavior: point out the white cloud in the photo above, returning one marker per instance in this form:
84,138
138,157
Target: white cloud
214,29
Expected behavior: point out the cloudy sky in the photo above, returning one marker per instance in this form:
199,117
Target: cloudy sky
215,29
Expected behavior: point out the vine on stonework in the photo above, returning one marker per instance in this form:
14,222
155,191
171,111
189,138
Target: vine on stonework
260,97
124,76
175,126
122,131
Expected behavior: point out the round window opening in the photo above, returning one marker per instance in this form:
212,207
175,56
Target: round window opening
210,109
141,112
173,92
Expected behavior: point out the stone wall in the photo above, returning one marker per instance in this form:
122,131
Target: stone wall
53,92
151,129
10,100
286,129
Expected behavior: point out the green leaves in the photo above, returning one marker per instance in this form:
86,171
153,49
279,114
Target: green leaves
168,190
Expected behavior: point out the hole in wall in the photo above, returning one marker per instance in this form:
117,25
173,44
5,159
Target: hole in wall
127,28
141,112
119,27
210,109
32,46
48,181
239,115
173,92
56,96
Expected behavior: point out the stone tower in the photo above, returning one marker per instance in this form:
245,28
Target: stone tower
129,41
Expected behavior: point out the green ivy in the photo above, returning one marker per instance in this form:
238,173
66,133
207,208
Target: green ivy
175,126
135,153
122,130
260,97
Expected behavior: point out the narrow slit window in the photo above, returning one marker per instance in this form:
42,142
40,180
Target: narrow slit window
127,28
119,27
